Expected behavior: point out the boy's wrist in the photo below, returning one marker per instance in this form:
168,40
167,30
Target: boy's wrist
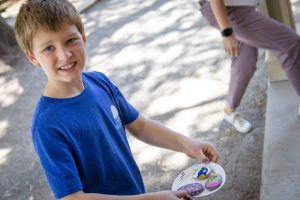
146,196
184,145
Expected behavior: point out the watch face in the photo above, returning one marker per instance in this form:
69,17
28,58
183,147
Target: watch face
227,32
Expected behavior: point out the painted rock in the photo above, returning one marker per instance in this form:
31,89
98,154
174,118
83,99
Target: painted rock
193,189
202,173
213,182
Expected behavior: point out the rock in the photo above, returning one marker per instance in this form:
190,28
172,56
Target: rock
193,189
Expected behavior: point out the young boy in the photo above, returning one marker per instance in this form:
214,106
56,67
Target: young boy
78,128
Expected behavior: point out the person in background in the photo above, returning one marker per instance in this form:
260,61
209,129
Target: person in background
244,29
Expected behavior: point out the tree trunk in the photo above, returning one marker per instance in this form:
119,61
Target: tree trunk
7,38
9,50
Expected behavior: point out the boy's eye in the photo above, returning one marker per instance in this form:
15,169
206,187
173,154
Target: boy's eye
71,40
49,49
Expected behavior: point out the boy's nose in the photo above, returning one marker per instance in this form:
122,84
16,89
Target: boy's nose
64,54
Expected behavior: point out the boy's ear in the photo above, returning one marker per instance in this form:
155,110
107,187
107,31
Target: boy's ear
32,59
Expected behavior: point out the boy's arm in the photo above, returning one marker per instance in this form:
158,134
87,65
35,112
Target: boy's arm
164,195
156,134
220,13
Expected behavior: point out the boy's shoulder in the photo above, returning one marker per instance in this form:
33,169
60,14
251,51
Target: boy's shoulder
101,80
96,75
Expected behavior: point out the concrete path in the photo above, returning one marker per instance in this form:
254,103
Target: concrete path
281,158
170,64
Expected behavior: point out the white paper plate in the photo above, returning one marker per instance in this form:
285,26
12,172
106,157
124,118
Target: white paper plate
186,177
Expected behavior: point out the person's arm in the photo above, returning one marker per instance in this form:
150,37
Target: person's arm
164,195
220,13
156,134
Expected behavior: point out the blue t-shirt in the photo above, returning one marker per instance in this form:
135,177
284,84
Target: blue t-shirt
81,141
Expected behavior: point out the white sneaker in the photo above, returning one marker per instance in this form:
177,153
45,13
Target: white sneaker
238,122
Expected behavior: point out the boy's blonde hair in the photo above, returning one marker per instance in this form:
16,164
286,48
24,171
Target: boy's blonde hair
48,14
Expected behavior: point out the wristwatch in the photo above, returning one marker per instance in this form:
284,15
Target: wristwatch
227,32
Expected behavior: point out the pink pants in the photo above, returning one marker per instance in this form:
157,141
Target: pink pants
254,30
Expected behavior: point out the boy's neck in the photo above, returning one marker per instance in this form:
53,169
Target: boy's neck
66,90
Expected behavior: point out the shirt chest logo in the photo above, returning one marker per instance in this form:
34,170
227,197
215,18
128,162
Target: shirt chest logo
116,116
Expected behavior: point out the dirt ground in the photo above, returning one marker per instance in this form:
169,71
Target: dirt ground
174,71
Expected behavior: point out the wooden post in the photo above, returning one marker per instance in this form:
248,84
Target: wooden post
280,10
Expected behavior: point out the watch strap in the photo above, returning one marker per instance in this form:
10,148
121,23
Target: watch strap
227,32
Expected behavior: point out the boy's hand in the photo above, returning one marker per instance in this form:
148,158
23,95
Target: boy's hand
202,151
170,195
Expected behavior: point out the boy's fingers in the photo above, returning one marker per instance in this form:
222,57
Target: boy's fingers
213,155
182,194
214,158
202,158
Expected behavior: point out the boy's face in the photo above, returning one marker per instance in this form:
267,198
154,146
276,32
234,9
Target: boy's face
60,54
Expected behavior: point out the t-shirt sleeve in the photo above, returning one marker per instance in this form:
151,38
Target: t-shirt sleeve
57,161
127,112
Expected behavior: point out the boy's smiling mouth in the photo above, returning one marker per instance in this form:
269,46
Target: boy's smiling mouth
67,66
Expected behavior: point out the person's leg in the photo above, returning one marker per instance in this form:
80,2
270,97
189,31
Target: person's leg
254,29
241,73
242,70
260,31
